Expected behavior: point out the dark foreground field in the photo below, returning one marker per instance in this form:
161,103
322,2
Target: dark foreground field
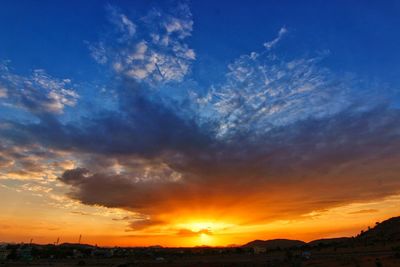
368,257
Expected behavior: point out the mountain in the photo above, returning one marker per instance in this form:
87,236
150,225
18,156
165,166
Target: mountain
274,243
388,230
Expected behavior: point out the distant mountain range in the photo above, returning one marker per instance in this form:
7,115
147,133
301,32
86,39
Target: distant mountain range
388,230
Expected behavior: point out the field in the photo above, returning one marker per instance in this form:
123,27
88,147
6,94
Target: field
368,257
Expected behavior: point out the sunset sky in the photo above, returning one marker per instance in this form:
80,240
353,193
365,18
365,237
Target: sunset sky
186,123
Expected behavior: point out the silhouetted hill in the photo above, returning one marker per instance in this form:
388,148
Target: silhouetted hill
388,230
329,241
275,243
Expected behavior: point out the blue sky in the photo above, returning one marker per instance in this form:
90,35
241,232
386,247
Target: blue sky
145,98
361,37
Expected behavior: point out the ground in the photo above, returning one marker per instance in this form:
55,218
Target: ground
384,258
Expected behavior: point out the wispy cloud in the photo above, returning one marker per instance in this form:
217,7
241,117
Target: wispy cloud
262,92
80,213
37,93
156,54
271,44
124,25
364,211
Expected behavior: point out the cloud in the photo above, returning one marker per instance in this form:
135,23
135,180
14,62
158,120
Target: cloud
253,144
272,126
125,218
152,50
364,211
180,23
188,233
144,224
263,92
141,116
36,188
80,213
98,52
271,44
31,162
124,25
288,160
3,92
39,93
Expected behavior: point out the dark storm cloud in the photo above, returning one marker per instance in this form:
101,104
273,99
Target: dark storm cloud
141,126
344,158
139,224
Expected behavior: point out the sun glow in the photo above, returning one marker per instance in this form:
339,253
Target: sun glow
205,226
206,239
205,232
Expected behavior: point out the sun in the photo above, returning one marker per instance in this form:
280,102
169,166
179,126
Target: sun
206,239
205,232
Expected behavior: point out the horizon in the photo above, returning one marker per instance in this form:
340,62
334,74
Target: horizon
194,123
79,243
58,243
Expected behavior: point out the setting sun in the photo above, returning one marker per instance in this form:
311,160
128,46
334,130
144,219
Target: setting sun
206,239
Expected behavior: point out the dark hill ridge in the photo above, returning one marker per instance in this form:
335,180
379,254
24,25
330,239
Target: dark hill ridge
275,243
388,230
329,241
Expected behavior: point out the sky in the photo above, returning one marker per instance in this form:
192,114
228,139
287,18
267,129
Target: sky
187,123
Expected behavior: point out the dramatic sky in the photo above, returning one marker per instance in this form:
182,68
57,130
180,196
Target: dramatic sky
197,123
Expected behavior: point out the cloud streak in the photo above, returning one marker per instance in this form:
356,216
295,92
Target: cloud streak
271,44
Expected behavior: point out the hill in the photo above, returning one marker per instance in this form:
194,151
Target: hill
274,243
329,241
388,230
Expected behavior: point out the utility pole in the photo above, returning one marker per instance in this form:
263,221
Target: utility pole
80,237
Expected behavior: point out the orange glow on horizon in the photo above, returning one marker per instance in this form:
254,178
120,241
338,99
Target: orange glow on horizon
44,222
